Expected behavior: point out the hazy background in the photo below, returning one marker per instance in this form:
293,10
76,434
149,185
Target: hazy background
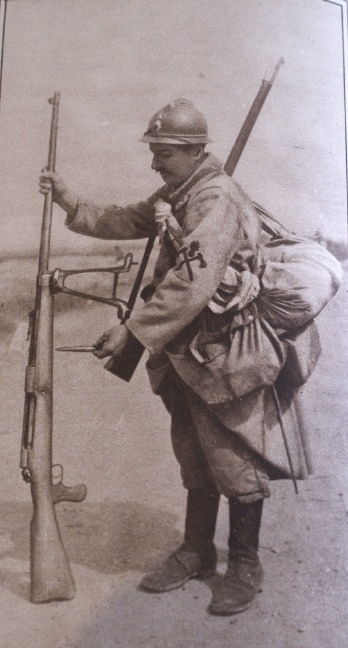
117,61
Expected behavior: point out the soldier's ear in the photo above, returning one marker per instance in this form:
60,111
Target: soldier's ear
198,151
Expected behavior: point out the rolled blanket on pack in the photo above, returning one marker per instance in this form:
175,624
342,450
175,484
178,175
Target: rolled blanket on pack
299,279
299,276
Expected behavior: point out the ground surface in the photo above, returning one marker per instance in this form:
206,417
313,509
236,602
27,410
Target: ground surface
114,438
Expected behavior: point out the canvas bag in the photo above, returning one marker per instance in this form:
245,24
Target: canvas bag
303,352
244,355
299,278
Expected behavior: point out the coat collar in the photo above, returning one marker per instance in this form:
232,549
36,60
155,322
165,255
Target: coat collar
210,166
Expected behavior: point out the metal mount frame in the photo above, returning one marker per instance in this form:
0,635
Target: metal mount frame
123,308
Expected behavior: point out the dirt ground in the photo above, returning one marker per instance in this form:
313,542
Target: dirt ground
114,438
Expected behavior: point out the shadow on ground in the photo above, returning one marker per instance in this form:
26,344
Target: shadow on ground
108,537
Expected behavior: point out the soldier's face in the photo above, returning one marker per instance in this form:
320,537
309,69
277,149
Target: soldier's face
175,163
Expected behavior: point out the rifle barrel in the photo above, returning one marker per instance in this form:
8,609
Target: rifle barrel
48,204
249,122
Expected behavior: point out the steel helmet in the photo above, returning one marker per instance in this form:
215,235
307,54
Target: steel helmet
177,123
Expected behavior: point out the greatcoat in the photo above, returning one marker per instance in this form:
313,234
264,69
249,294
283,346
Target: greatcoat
213,224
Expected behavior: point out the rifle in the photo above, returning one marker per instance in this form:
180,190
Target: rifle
50,574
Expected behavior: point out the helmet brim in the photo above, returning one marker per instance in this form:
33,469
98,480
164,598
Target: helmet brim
179,141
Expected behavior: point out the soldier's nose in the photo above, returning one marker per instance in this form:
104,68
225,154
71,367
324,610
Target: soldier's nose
155,165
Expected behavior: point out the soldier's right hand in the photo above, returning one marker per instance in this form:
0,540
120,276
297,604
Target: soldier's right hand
61,194
49,180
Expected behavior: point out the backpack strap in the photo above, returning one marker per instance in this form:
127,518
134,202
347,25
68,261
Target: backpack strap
270,224
180,196
183,194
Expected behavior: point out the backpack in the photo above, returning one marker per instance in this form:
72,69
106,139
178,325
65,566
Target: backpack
298,278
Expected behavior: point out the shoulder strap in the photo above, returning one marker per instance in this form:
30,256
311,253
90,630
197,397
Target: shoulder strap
204,173
270,224
177,196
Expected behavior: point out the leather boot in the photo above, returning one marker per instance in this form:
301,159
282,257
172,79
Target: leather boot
196,557
244,573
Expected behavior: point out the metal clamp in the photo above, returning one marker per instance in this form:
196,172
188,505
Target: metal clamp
59,277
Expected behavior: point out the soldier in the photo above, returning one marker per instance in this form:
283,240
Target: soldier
205,282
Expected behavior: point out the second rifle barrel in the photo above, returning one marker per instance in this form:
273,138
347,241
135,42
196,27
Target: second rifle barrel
249,122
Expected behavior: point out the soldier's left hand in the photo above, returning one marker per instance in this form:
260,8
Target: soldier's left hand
112,342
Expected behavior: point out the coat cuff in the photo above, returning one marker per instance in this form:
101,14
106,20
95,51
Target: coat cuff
139,332
70,216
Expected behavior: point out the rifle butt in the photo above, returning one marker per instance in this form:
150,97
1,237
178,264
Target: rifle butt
50,575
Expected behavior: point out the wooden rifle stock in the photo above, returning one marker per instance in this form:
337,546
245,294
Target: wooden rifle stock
50,575
124,365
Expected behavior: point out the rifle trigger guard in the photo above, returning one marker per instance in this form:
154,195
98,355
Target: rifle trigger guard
59,477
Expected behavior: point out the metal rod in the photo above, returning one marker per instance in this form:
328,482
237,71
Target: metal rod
78,349
286,444
140,273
